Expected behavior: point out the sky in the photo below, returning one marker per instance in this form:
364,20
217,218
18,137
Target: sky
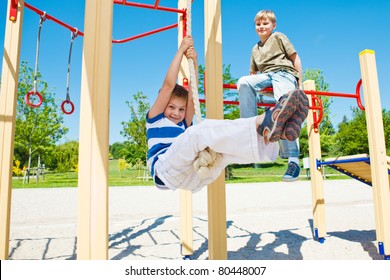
328,35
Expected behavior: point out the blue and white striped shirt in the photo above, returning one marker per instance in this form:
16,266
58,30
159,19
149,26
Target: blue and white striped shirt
160,133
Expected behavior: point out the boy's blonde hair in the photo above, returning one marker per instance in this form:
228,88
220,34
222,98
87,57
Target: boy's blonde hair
268,14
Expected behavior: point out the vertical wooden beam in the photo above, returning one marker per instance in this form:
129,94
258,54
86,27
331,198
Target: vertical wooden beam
92,238
214,109
317,181
8,100
186,234
376,141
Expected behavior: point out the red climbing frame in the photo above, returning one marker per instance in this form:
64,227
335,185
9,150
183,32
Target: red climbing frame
318,104
156,6
317,108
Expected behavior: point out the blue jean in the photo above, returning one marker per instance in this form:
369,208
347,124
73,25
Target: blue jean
281,82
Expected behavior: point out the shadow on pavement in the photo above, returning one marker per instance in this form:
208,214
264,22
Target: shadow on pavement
160,236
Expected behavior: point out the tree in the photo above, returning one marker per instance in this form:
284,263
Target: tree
230,111
386,126
118,149
327,130
352,136
123,165
64,157
37,129
135,129
326,125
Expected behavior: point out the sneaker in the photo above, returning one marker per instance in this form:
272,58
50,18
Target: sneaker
294,124
292,173
275,118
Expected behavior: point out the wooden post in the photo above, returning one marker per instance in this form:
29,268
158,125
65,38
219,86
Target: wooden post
376,141
92,236
317,181
214,109
186,234
8,98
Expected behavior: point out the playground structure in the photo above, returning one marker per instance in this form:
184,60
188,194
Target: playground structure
94,119
356,166
378,159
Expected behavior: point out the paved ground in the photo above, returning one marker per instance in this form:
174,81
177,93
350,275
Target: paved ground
265,221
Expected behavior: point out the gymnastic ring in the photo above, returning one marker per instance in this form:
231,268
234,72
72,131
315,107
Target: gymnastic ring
29,103
71,107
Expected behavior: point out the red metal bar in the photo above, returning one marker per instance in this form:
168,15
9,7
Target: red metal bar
39,12
358,98
323,93
234,86
184,23
311,92
13,10
148,6
73,29
327,93
231,86
356,95
318,107
230,102
145,34
156,4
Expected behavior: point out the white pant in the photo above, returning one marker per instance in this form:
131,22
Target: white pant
237,141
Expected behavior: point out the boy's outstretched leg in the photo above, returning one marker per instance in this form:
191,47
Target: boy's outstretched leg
294,124
292,131
276,118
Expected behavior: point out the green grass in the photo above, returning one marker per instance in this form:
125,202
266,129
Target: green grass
271,172
266,172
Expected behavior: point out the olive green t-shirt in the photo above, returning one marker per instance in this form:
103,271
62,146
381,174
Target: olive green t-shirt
273,55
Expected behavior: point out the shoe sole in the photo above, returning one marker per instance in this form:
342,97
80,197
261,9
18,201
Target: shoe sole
290,179
286,111
294,124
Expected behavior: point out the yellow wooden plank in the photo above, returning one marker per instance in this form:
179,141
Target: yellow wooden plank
186,224
317,182
8,97
356,169
377,147
92,238
214,109
359,169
